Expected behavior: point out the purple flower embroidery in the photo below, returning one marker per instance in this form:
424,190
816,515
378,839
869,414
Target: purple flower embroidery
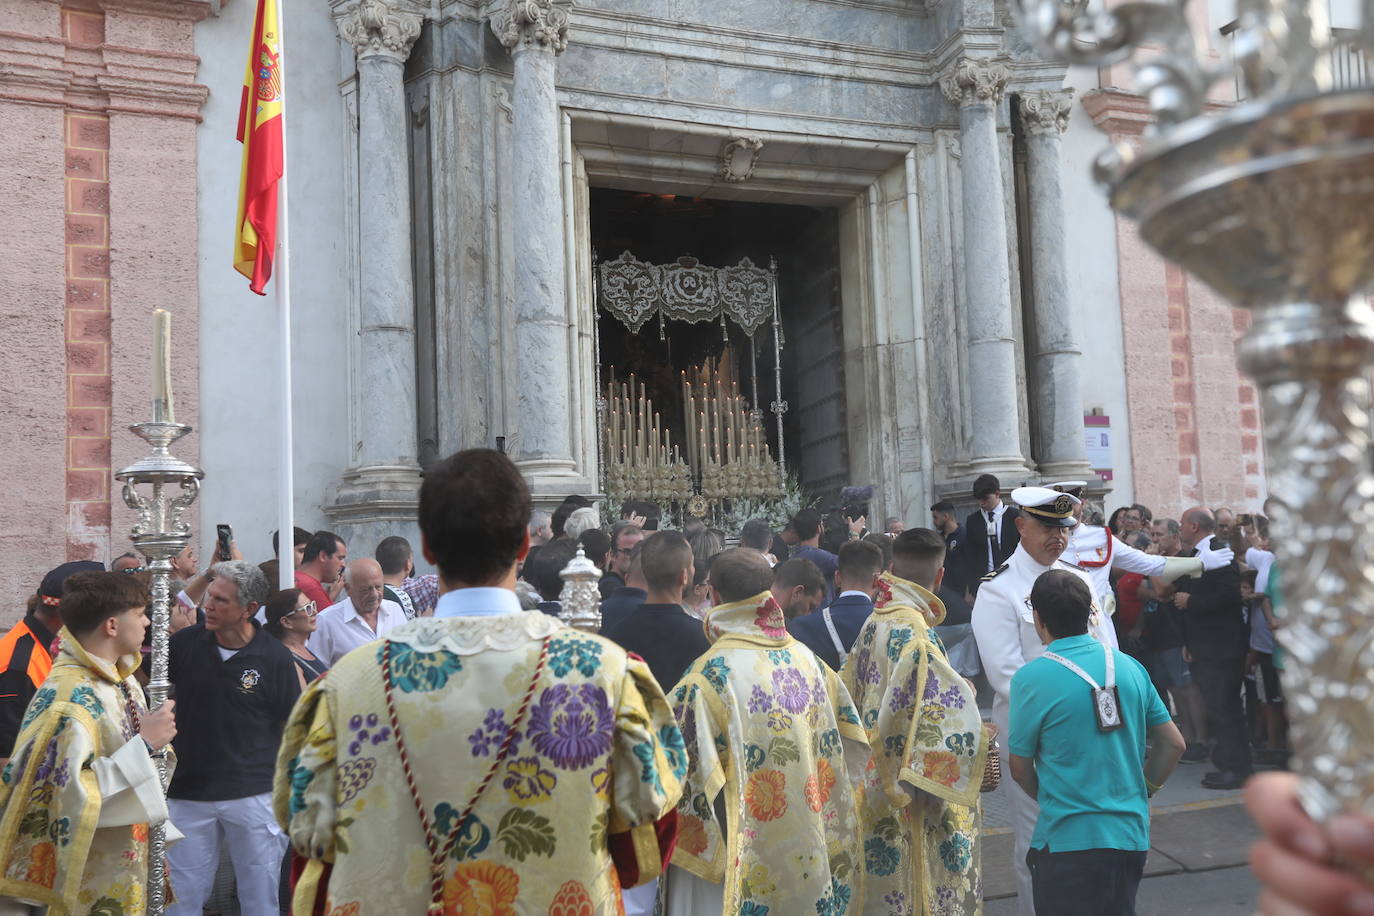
488,738
952,698
790,690
932,690
759,701
867,669
572,724
901,698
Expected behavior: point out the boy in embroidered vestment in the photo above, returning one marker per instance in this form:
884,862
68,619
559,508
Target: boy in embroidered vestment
920,816
775,749
81,789
486,759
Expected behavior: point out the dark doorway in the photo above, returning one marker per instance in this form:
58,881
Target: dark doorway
660,228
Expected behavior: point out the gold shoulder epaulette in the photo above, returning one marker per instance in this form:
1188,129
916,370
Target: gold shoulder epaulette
995,573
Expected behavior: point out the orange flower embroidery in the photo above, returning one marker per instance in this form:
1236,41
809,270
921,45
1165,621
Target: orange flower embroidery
42,865
140,833
765,794
481,889
941,766
691,834
572,899
345,909
818,786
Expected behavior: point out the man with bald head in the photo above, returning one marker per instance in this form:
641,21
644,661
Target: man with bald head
358,619
1216,637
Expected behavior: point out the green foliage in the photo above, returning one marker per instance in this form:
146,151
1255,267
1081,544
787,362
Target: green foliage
523,833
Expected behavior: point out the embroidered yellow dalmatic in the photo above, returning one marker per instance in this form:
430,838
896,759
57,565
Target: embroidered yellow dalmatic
79,791
596,754
771,727
920,816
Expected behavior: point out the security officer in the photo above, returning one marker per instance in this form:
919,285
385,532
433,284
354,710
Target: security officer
1004,626
1098,552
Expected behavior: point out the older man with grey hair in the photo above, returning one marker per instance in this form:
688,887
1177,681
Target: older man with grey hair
235,686
360,618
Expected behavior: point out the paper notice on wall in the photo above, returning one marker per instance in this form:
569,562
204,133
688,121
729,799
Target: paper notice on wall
1097,442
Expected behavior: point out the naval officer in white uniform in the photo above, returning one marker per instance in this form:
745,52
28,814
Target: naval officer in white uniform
1098,552
1004,627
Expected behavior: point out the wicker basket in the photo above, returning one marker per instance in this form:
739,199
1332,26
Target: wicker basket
992,770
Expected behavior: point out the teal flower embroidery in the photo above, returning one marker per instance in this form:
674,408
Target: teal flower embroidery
779,657
675,749
830,742
753,757
963,744
472,840
566,654
301,777
60,831
896,641
41,701
895,745
415,672
85,698
845,713
750,908
871,717
955,853
715,672
648,770
880,858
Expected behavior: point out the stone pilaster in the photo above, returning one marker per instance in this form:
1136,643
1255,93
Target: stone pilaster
976,85
1056,362
380,492
536,31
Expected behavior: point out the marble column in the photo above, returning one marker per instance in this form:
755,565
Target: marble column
380,491
536,32
976,86
1056,361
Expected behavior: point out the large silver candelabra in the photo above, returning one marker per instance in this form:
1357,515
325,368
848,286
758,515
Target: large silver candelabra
160,534
1272,203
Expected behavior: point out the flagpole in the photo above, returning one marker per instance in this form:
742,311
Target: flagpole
286,524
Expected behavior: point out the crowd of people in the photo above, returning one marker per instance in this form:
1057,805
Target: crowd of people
769,721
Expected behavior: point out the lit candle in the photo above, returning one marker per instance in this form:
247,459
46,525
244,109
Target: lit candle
162,367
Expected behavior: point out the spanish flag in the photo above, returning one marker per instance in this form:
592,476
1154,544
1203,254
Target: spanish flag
260,132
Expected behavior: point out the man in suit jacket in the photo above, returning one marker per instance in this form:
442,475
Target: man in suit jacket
991,531
831,632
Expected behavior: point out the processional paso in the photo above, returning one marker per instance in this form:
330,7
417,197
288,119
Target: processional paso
1272,203
724,452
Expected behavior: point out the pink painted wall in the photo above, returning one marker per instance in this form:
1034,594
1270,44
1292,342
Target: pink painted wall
101,231
1195,427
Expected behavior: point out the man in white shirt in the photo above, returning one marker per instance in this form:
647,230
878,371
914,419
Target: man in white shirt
358,619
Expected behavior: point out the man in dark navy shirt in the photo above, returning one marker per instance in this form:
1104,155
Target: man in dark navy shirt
235,686
623,602
831,631
659,630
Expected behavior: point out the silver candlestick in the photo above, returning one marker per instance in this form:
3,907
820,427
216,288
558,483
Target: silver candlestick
1272,203
160,534
580,599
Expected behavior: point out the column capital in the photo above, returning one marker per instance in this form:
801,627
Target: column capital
1046,111
531,23
380,28
973,81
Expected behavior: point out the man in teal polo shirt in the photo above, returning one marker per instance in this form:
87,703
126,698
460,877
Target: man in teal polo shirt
1079,718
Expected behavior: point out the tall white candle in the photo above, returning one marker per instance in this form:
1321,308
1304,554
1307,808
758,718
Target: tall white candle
162,367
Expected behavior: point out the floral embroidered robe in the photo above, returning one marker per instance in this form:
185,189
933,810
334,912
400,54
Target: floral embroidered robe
61,844
771,727
597,753
920,815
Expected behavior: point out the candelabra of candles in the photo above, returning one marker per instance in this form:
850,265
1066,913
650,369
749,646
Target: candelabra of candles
726,447
641,463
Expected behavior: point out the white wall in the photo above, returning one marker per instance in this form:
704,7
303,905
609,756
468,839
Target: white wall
1094,297
238,363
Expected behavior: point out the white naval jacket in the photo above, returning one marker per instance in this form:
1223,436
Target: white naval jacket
1098,552
1005,628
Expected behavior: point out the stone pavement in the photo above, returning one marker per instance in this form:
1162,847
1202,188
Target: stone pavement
1200,842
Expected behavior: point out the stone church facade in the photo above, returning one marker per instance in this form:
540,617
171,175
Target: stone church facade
960,294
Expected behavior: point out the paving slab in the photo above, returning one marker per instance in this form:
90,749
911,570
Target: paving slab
1201,838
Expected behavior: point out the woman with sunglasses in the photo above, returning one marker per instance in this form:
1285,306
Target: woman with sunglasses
291,618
